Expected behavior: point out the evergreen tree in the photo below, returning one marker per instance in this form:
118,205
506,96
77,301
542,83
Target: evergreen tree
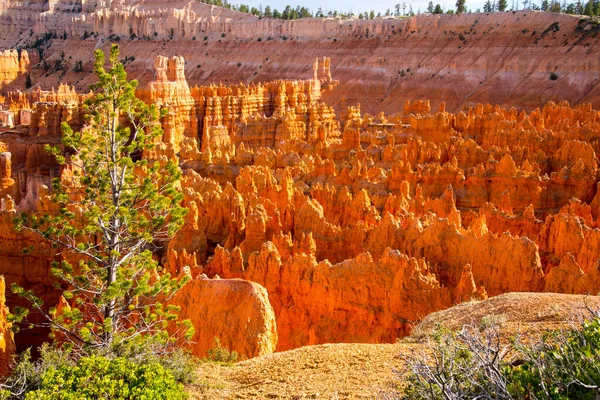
589,8
502,5
487,6
268,13
430,7
555,7
438,9
111,208
460,6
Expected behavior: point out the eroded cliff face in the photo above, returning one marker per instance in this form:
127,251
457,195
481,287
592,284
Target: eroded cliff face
464,59
7,344
321,227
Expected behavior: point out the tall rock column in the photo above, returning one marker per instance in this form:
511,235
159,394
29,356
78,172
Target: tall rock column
170,90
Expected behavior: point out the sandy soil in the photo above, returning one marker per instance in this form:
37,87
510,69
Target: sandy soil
330,371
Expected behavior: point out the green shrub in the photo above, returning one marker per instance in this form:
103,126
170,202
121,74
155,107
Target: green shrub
169,367
27,375
553,76
98,377
473,363
221,354
564,365
179,362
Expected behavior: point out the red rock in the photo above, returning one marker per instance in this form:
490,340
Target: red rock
7,344
362,221
236,312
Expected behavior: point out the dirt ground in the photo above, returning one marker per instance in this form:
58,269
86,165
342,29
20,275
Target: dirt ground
329,371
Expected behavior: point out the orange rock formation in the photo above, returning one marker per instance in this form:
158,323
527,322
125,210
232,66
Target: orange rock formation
13,65
341,229
236,312
7,344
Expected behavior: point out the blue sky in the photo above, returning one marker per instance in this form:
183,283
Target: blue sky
355,5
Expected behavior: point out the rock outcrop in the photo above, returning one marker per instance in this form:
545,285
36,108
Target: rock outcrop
358,300
234,311
13,65
7,344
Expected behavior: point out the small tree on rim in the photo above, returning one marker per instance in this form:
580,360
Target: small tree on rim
110,209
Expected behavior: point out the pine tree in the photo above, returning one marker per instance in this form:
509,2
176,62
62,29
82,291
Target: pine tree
460,6
268,13
111,208
502,5
430,7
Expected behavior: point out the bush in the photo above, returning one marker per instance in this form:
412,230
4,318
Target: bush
177,366
462,365
564,365
553,76
78,67
27,375
474,363
98,377
179,362
221,354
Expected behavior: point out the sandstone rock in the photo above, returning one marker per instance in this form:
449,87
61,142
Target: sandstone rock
7,344
236,312
366,221
357,300
13,65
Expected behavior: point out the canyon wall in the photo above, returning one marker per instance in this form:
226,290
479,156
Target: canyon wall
522,58
7,345
313,226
